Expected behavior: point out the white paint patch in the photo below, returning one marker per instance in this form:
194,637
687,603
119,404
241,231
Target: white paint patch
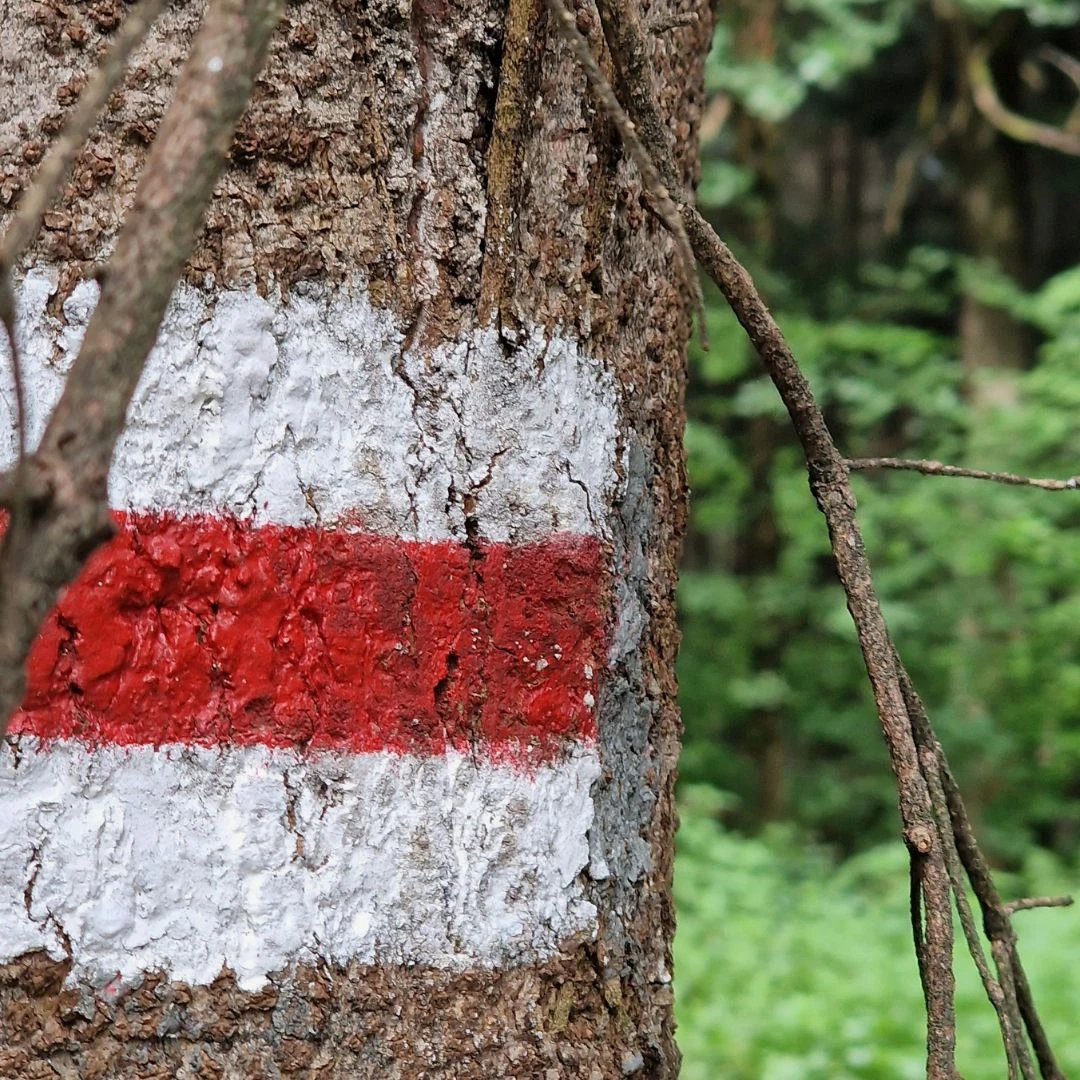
306,411
187,860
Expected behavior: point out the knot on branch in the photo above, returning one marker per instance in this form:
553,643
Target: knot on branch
919,839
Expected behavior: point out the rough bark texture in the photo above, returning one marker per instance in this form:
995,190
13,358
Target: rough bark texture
548,1021
449,155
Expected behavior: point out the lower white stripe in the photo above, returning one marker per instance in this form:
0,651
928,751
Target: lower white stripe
186,860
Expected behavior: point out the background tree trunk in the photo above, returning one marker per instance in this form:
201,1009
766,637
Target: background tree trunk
404,475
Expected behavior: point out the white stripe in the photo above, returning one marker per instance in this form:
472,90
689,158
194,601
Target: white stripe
303,411
187,860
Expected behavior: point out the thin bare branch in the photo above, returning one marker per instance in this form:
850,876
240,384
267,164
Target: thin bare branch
1048,1066
1017,1057
831,488
997,927
184,164
936,829
1029,902
655,186
936,468
39,196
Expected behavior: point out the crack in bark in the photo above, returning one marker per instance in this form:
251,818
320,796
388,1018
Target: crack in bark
48,921
580,484
414,224
292,801
34,866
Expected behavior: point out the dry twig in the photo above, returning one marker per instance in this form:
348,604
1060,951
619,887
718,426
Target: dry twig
656,188
997,926
1029,902
936,468
935,768
39,196
829,482
72,463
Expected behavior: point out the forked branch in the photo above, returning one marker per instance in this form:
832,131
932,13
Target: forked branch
70,468
37,199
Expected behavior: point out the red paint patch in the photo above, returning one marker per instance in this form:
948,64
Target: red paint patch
208,630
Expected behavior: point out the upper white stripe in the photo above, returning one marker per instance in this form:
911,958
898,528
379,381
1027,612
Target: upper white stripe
304,411
186,860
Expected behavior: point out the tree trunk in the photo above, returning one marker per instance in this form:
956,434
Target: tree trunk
352,753
994,345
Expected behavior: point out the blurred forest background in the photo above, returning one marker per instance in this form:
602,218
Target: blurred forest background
902,179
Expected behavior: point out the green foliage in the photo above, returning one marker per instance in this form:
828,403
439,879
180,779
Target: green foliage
789,963
1040,12
788,967
981,584
832,39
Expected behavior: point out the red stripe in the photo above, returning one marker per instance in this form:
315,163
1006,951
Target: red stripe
208,630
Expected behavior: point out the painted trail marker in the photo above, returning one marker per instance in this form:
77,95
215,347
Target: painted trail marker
330,691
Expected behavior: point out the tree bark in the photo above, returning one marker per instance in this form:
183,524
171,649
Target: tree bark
352,755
